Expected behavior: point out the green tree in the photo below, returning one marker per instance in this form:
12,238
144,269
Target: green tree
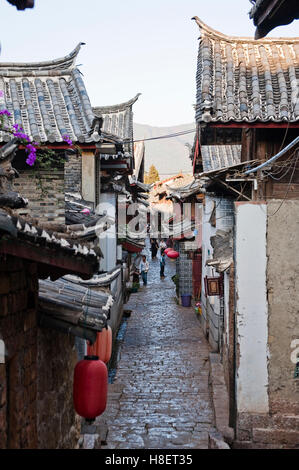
152,176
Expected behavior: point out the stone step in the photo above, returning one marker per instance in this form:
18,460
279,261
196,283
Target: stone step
275,436
281,421
254,445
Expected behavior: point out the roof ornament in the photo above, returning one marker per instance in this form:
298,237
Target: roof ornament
207,108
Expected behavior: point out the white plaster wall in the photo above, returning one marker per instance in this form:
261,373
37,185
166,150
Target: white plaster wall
207,232
251,308
108,239
88,176
226,307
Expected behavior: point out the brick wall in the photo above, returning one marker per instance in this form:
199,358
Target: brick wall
36,403
56,362
45,194
73,172
18,329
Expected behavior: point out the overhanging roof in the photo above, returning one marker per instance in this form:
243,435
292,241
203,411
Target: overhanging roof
268,14
240,80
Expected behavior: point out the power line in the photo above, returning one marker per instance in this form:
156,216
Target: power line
167,136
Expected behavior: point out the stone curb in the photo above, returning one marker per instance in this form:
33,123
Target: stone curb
224,436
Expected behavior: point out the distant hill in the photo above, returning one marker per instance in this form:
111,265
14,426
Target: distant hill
168,155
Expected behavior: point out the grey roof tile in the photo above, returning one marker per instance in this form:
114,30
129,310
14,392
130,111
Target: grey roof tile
215,157
118,119
48,99
240,79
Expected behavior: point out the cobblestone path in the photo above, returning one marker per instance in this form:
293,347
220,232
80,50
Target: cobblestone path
160,397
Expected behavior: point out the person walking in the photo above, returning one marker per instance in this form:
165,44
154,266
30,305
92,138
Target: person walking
154,247
162,265
144,267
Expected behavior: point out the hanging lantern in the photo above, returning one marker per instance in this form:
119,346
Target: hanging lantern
90,388
167,250
173,254
108,351
99,347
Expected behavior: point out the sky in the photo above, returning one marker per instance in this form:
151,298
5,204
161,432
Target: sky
132,46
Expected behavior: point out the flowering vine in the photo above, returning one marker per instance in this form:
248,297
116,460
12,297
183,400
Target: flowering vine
17,131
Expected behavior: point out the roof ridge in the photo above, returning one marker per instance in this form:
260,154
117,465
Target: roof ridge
208,31
117,107
66,62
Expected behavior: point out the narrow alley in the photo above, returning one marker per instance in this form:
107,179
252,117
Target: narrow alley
160,396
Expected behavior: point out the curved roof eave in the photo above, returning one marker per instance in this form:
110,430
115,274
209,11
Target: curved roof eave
208,31
64,63
98,110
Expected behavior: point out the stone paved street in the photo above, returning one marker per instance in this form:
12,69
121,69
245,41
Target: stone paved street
160,398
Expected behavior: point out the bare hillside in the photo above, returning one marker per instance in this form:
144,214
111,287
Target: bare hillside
170,156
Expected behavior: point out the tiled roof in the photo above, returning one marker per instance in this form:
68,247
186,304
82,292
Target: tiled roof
215,157
242,80
48,99
117,119
78,305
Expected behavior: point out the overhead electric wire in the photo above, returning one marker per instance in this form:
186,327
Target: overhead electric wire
273,159
288,188
167,136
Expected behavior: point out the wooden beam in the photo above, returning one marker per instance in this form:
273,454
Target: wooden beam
229,187
254,125
43,255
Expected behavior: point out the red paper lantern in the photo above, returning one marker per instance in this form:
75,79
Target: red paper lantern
108,351
90,388
173,254
99,347
167,250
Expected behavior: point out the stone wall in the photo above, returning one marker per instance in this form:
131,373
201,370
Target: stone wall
36,402
73,172
283,301
56,362
45,194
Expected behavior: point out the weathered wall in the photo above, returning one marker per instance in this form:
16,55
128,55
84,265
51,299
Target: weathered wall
283,299
184,269
36,404
56,362
117,308
108,239
88,177
45,194
251,308
18,329
222,211
73,174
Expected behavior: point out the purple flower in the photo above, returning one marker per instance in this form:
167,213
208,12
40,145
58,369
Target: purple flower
31,150
67,139
20,134
5,112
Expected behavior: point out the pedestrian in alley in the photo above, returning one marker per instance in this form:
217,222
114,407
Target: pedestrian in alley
162,265
154,247
144,267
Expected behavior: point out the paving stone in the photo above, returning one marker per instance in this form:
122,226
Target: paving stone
160,398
